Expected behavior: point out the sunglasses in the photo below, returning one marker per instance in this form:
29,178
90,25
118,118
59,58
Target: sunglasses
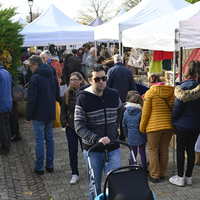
31,65
98,79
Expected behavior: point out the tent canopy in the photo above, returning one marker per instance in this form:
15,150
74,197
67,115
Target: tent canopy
22,21
159,34
190,32
120,13
96,22
53,26
145,11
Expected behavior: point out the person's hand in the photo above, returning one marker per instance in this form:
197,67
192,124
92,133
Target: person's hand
143,132
28,121
67,124
105,140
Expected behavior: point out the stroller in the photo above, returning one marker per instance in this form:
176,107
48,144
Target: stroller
124,183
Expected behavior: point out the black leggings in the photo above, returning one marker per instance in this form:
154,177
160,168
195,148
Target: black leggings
185,141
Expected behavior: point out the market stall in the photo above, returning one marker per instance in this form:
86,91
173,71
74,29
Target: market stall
145,11
54,27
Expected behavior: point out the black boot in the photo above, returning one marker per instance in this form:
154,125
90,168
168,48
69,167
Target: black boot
16,137
146,170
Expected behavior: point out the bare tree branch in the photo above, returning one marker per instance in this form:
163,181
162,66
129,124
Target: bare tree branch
95,8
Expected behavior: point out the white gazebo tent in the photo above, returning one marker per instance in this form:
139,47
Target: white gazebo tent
145,11
22,21
161,33
190,32
53,26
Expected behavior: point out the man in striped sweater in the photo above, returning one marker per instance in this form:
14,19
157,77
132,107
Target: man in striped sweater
97,117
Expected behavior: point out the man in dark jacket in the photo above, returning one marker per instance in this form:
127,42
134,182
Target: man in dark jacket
96,119
121,79
43,92
71,64
5,108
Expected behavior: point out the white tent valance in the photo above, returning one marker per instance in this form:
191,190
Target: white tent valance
159,34
53,26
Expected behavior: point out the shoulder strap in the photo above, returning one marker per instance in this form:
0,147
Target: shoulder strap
168,105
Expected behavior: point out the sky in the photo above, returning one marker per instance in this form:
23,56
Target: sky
69,7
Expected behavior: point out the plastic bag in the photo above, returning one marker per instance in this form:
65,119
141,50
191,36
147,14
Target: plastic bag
56,122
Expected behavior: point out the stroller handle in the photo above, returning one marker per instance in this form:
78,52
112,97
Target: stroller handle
111,142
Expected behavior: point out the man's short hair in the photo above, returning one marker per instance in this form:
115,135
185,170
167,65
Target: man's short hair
86,45
92,49
34,59
117,58
95,68
47,53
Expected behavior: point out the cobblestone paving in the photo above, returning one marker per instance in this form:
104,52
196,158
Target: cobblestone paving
18,181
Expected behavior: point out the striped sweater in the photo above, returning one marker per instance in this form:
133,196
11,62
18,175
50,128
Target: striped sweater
96,117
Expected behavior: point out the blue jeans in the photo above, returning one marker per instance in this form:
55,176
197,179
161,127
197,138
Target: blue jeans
72,139
98,163
43,130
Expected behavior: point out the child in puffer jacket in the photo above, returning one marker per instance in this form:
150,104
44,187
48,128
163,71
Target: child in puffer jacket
131,123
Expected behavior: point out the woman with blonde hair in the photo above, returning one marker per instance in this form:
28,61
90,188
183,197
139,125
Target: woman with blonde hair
156,122
67,120
186,118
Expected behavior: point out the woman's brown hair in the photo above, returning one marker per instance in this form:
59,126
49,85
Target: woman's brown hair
134,97
70,90
154,78
193,70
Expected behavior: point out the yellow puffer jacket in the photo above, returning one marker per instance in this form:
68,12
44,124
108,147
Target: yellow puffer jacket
156,115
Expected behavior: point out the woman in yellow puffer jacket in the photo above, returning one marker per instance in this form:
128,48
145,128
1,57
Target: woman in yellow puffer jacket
156,122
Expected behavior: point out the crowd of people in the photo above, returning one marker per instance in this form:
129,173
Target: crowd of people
101,99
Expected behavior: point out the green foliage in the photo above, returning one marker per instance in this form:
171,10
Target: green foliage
192,1
11,41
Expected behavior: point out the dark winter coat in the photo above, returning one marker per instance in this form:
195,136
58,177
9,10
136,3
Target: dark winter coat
43,91
186,112
67,111
121,79
71,64
96,117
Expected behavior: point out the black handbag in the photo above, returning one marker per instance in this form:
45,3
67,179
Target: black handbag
17,92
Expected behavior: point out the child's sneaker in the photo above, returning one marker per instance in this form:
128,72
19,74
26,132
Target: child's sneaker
188,180
176,180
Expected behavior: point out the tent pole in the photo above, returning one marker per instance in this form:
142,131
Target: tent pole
181,63
95,45
108,45
120,52
174,76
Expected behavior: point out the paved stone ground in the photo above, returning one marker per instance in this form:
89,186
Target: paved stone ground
18,181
